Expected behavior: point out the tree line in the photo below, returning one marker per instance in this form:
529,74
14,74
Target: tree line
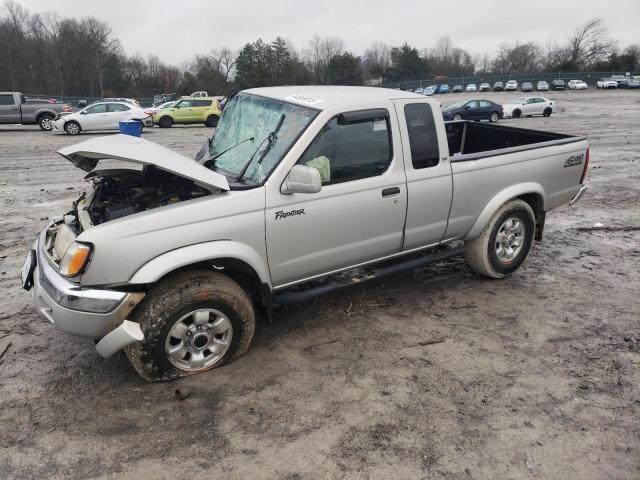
52,55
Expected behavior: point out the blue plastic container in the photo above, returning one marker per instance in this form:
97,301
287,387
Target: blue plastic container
131,127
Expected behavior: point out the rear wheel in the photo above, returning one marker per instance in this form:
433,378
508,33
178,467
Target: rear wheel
517,113
212,121
504,243
165,122
45,122
72,128
192,322
494,117
547,112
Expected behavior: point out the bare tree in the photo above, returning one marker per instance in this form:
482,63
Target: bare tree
442,51
589,43
225,61
319,53
377,59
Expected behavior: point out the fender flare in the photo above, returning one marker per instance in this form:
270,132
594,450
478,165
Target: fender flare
500,199
158,267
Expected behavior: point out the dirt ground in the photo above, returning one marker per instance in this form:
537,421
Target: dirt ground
532,377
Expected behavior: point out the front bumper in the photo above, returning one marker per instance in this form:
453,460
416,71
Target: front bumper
578,196
77,310
57,126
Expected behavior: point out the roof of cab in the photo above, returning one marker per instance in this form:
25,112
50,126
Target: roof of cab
322,97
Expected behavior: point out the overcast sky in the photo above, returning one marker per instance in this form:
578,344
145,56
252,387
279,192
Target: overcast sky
175,30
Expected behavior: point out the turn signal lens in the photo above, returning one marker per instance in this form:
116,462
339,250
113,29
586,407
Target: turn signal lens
75,259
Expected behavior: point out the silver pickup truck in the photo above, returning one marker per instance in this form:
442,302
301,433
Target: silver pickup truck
14,108
302,190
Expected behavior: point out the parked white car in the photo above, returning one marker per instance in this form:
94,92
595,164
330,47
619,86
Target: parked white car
606,83
577,85
511,86
153,110
471,88
542,86
528,106
100,116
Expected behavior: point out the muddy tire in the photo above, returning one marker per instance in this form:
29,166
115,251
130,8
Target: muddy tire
192,322
504,243
494,117
547,112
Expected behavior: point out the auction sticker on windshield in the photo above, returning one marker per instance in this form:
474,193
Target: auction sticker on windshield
304,99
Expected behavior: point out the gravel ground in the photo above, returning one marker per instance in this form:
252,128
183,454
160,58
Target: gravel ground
532,377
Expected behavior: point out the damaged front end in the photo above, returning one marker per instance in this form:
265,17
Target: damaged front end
166,177
118,193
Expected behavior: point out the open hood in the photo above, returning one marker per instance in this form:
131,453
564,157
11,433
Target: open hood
87,154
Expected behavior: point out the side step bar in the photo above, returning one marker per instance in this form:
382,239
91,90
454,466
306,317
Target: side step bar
288,297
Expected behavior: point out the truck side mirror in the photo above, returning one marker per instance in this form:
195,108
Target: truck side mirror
302,179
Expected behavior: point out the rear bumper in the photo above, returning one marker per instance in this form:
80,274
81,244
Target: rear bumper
578,196
77,310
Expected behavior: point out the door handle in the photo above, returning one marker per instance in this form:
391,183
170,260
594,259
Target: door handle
387,192
15,108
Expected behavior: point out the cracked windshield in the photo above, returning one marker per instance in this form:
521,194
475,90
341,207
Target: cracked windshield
249,117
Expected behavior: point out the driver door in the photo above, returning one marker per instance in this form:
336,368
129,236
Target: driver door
94,117
359,213
184,112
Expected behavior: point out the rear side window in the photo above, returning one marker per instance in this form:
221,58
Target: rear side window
202,103
423,138
484,104
100,108
6,100
117,107
345,151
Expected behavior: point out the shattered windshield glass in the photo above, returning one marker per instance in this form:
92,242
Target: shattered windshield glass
250,116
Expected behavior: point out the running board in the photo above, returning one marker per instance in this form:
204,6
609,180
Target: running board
288,297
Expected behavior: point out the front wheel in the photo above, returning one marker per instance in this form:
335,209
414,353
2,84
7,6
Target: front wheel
517,113
165,122
72,128
212,121
192,322
547,112
504,243
493,118
457,116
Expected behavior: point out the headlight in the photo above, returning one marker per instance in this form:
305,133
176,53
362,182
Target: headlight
75,259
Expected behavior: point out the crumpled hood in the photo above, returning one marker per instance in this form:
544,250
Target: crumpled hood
87,154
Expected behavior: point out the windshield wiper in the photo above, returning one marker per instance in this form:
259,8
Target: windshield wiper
212,161
271,138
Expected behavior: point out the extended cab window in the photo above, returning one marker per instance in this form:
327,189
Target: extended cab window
348,150
423,138
6,100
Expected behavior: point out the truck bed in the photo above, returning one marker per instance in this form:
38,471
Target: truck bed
474,140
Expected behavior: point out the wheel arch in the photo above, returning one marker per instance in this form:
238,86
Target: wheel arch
239,261
530,192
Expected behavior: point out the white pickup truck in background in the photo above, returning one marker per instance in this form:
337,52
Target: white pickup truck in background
298,185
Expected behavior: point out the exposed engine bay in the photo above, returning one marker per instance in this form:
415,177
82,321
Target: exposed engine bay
118,193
